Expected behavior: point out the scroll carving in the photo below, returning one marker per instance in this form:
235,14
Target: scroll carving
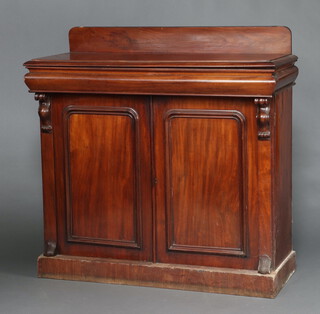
264,265
263,118
50,248
44,112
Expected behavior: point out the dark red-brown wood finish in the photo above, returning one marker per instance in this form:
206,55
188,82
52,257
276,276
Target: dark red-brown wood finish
103,159
166,155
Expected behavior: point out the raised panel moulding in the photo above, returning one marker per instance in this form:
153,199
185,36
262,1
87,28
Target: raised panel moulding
80,231
205,224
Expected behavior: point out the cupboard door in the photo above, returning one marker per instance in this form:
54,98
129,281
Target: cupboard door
206,214
104,174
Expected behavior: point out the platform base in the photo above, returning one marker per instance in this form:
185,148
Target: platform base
183,277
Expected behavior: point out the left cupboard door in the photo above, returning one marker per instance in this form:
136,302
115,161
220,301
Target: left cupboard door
103,175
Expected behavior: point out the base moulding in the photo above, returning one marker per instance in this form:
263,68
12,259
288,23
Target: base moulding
161,275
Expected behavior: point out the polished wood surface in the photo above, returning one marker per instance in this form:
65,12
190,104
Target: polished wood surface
214,61
282,174
48,180
205,156
167,157
103,178
103,164
183,277
232,82
200,155
276,39
160,60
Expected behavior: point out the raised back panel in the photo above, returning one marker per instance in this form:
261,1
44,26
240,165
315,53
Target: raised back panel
249,40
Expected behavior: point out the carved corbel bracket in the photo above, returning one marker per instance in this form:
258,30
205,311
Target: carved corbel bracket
44,112
263,118
50,248
264,265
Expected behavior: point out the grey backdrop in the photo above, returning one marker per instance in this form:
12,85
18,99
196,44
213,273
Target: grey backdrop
34,28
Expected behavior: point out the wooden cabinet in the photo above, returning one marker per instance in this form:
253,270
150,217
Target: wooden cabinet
166,157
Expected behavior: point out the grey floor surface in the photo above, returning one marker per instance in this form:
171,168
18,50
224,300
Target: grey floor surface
22,292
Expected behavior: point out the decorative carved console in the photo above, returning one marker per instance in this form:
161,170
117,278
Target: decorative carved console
44,112
166,157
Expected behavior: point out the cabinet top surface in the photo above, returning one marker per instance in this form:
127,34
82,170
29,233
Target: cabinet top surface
174,47
179,60
219,61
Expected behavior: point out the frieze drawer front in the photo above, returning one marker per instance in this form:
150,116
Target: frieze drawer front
166,157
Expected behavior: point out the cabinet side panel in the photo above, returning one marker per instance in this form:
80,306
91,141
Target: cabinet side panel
282,182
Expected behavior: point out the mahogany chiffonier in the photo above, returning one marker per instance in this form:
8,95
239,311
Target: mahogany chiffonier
166,155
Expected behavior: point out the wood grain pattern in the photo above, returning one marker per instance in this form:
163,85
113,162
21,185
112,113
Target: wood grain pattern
102,145
49,193
160,60
100,186
275,39
265,220
207,158
220,61
199,278
206,151
282,178
240,83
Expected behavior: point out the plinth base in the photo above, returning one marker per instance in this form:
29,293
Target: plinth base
183,277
